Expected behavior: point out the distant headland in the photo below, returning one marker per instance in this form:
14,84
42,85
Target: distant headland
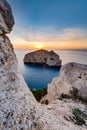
44,57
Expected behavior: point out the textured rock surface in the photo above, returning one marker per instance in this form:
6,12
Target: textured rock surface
18,108
16,101
49,58
72,75
6,17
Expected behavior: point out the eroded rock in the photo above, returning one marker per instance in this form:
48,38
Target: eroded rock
6,17
73,78
43,57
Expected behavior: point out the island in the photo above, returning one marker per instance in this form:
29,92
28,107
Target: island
44,57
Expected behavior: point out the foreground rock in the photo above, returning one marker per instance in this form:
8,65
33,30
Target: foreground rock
49,58
17,104
18,108
6,17
72,80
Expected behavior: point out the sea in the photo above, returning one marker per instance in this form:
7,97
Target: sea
38,76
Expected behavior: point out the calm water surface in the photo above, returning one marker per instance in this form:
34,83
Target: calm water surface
39,76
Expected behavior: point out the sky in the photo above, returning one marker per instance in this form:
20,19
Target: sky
51,24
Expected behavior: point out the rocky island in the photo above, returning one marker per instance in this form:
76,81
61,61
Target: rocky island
43,57
19,110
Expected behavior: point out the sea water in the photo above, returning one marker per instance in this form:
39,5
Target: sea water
38,76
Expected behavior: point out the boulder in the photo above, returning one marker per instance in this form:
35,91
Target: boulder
45,57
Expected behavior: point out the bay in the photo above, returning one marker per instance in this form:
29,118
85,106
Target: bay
37,76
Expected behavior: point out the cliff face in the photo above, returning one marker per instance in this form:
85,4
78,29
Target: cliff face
6,17
16,101
49,58
18,108
72,80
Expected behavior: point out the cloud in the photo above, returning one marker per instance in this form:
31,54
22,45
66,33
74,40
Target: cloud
50,36
53,34
74,33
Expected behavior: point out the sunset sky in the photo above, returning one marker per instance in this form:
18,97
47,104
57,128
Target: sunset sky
49,24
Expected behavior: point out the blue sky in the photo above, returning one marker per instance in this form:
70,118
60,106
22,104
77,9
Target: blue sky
37,21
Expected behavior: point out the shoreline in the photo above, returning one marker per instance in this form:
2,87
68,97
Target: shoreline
43,65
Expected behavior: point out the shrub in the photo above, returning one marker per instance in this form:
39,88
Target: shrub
79,116
75,92
75,95
38,94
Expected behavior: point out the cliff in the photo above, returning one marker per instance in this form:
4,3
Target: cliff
73,78
49,58
18,108
16,101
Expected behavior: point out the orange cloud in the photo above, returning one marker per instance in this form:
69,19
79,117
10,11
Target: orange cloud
49,38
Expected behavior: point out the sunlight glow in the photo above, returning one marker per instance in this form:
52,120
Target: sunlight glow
69,38
39,46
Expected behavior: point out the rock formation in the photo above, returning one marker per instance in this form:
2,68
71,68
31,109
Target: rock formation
16,101
49,58
6,17
73,78
18,108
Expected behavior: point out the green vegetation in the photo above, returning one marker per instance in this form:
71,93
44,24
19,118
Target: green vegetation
79,116
38,94
75,92
75,95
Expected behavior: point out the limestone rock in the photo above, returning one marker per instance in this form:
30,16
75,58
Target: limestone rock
6,17
49,58
72,76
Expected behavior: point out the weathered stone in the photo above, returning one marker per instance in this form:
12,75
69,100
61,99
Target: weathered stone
73,77
6,17
45,57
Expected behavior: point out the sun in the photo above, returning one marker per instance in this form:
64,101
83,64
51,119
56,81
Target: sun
39,46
